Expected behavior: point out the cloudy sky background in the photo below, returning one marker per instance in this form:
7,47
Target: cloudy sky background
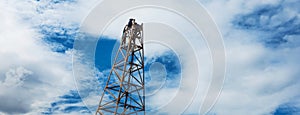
36,40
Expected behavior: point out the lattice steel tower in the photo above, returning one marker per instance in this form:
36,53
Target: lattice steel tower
124,92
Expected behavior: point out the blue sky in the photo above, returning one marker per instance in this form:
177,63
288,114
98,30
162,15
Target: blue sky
36,49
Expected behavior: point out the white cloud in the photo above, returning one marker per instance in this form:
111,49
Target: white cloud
256,83
31,74
28,60
16,77
259,79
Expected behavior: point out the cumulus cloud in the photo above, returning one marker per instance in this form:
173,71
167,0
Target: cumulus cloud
16,77
14,80
31,74
260,77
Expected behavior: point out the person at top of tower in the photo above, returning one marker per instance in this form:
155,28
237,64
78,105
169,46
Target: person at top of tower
130,24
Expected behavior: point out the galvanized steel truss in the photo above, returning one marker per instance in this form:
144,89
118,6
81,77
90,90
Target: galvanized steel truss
124,92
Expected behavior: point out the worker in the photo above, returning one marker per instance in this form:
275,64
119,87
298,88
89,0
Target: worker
130,24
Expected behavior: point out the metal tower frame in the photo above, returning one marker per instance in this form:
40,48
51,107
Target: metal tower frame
124,92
